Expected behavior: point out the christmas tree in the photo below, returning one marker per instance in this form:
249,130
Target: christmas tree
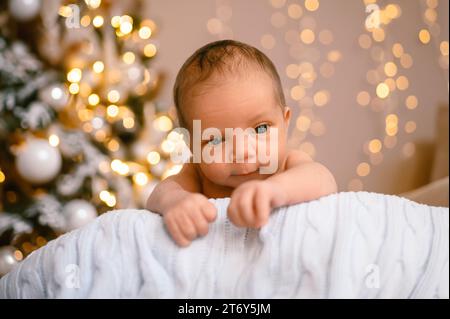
80,130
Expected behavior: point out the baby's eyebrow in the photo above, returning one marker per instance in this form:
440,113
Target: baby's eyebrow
260,115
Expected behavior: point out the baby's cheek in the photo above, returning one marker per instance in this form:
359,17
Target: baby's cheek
216,172
270,147
271,153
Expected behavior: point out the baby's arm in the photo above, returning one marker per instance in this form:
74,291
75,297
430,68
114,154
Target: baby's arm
301,180
186,212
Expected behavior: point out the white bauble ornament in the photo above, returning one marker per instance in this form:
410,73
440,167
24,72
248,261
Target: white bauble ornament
24,10
38,162
55,95
78,213
7,259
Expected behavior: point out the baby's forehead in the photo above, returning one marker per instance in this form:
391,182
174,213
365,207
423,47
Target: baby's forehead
224,110
252,78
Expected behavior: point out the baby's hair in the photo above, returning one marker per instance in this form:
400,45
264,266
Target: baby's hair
222,57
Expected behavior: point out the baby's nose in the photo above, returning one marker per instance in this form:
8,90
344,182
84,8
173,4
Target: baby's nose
245,150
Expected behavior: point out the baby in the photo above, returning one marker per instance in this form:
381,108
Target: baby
228,85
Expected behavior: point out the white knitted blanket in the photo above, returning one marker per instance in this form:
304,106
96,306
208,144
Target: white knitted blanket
346,245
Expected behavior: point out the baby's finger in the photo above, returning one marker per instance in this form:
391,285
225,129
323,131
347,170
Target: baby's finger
245,206
176,233
187,227
233,211
262,208
209,211
201,224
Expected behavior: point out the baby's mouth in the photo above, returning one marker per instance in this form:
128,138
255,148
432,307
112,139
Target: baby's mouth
244,173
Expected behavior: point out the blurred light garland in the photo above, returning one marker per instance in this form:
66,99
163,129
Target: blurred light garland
304,41
102,85
389,86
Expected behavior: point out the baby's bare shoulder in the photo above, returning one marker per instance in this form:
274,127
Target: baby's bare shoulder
296,157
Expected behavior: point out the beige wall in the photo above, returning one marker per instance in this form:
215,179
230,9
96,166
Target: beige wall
183,28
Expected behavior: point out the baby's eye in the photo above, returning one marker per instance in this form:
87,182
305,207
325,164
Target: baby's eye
215,141
261,129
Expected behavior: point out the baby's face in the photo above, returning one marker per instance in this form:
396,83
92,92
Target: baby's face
239,103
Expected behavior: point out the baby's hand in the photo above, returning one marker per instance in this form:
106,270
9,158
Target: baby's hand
189,218
252,202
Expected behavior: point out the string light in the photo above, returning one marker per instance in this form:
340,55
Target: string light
163,123
85,21
391,125
140,179
113,96
397,50
108,197
2,177
295,11
402,83
382,90
363,98
128,57
410,127
97,21
150,50
168,146
406,61
378,35
128,122
126,25
115,21
53,140
145,32
411,102
65,11
113,145
120,167
93,4
424,36
93,99
153,157
321,98
98,66
303,123
390,69
18,255
307,36
112,110
334,56
363,169
74,75
443,47
297,92
312,5
375,146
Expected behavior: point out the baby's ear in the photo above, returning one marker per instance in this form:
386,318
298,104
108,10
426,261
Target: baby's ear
287,115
